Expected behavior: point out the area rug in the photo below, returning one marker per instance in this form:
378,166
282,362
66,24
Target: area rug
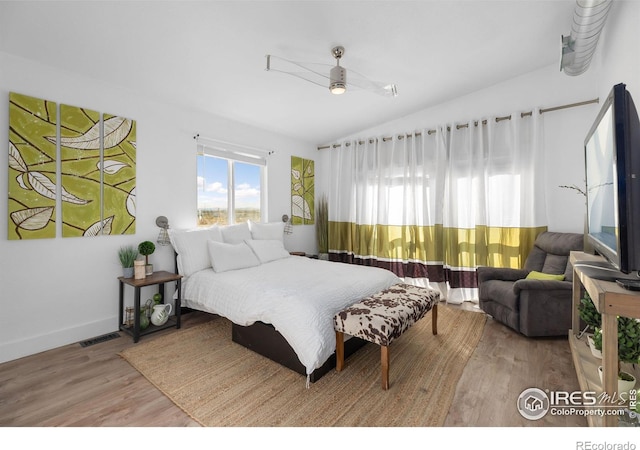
220,383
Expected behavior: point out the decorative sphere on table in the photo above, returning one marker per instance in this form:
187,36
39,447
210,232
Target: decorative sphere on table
144,320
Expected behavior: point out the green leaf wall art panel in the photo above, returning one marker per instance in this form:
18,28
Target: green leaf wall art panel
302,191
97,170
80,130
32,168
119,174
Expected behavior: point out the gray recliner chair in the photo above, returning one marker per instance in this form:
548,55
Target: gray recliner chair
533,307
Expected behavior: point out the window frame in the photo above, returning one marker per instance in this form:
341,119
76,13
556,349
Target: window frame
233,154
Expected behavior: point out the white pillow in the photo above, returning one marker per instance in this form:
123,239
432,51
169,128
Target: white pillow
226,257
235,234
272,230
268,249
191,247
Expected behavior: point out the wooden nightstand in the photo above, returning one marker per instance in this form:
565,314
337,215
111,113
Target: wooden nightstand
159,278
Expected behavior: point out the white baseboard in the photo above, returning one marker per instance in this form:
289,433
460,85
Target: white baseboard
10,351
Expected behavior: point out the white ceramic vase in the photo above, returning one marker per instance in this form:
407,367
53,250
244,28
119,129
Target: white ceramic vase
624,386
160,314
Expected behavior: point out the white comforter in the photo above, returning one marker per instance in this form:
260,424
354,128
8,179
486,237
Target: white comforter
298,296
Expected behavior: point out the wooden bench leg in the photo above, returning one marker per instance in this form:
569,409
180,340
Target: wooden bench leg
339,351
434,319
384,362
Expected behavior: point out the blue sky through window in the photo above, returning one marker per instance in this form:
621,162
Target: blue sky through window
247,185
213,184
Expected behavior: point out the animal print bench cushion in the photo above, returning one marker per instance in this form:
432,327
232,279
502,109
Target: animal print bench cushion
384,316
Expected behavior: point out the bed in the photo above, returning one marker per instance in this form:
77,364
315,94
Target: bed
280,305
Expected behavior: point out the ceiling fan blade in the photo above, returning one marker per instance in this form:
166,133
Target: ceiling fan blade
312,72
355,79
318,73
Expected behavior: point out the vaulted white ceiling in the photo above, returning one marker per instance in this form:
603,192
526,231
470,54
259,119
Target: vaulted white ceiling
210,55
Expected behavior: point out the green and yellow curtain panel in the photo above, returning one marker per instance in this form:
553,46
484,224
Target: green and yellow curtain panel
435,206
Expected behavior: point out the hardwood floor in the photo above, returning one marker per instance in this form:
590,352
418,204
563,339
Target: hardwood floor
76,386
504,364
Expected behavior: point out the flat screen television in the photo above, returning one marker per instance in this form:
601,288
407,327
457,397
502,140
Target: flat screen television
612,168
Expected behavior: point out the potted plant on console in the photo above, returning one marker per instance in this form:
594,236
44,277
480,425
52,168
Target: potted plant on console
592,318
628,351
127,255
146,248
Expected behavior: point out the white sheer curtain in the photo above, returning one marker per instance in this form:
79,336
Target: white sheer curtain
495,197
434,206
391,182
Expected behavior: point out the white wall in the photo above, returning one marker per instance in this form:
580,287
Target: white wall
60,291
620,52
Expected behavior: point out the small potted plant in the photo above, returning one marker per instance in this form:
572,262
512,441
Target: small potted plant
146,248
592,318
127,255
628,350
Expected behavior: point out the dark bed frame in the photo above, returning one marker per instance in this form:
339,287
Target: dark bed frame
265,340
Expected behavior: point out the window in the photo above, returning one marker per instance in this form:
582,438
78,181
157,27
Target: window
230,187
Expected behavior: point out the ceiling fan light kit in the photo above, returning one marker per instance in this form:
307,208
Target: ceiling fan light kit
338,75
336,79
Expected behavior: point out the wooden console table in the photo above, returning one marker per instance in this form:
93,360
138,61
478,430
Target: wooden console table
611,301
156,278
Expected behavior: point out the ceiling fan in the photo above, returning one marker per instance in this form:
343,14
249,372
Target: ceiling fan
333,77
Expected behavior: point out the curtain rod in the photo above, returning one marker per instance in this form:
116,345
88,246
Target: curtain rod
218,142
466,125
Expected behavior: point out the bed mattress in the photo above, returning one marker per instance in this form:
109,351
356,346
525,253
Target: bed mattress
298,296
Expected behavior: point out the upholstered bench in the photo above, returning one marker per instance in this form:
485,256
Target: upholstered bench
383,317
